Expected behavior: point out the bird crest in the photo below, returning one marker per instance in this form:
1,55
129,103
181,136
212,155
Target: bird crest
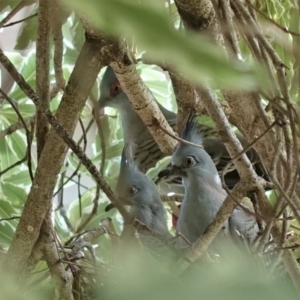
191,131
127,161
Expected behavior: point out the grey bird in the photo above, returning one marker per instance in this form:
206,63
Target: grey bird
136,190
147,152
204,194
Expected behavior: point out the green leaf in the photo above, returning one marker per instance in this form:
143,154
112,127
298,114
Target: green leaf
9,116
153,31
78,34
28,34
160,165
7,228
7,157
73,212
28,72
8,4
19,178
16,195
87,206
60,226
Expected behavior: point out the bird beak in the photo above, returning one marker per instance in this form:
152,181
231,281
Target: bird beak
109,207
176,171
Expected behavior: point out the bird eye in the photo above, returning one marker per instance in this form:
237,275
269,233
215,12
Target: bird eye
115,88
133,190
190,161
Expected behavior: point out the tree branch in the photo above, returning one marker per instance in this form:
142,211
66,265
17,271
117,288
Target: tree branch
43,72
80,83
61,276
143,102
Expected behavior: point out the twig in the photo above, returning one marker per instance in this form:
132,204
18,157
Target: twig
28,138
69,179
93,212
229,34
173,198
19,162
88,65
86,131
100,131
249,146
58,50
272,21
142,100
103,154
9,219
200,247
63,133
20,21
61,276
43,72
155,121
15,10
16,126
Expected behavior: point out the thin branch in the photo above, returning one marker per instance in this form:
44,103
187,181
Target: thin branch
249,146
229,34
80,83
61,276
11,218
172,198
142,100
272,21
100,131
175,137
56,23
19,162
15,10
29,138
93,212
43,72
14,127
60,130
20,21
69,179
199,248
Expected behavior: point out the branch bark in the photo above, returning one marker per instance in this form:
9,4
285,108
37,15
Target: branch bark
61,277
249,115
143,102
79,86
42,71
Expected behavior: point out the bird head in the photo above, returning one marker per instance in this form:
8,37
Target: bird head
188,159
133,187
111,93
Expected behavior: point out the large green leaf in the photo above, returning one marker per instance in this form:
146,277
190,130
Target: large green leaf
7,155
28,72
7,227
19,178
16,195
12,3
192,54
28,34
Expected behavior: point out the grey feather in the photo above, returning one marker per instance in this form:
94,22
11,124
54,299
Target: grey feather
147,152
204,194
139,192
243,226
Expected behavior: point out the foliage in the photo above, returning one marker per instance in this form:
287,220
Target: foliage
155,30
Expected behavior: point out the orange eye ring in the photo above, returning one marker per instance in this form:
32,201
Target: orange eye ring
115,88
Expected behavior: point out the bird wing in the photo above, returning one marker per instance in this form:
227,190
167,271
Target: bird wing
243,226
